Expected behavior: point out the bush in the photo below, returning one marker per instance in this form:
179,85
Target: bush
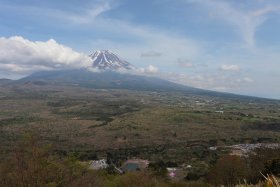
31,164
228,170
263,161
159,168
272,167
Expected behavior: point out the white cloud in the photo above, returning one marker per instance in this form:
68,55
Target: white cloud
229,67
148,70
246,21
20,55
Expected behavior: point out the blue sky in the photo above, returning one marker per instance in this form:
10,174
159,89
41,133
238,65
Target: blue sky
223,45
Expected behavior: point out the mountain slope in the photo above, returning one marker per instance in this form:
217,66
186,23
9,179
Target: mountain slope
103,80
5,81
115,80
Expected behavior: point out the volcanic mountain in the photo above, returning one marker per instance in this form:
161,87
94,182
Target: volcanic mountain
106,60
109,77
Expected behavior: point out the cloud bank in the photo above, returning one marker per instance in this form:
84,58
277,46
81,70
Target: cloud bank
20,55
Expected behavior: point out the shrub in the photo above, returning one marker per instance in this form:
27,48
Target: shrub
228,170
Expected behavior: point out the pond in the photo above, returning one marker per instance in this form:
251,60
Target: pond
130,167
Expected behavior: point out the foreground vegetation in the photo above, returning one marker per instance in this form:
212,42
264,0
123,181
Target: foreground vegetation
34,164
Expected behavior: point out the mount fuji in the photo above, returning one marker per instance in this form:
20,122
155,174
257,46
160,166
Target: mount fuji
109,76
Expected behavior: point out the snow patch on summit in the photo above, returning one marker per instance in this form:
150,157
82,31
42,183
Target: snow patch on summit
106,60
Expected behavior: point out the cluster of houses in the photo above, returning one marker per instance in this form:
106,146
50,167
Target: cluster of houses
129,165
135,165
245,149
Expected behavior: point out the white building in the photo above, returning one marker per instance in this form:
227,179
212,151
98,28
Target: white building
98,164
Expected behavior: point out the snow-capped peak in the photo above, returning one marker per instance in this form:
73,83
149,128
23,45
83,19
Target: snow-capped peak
106,60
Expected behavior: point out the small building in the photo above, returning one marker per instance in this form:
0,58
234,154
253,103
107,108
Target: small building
189,166
98,164
220,111
213,148
171,172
